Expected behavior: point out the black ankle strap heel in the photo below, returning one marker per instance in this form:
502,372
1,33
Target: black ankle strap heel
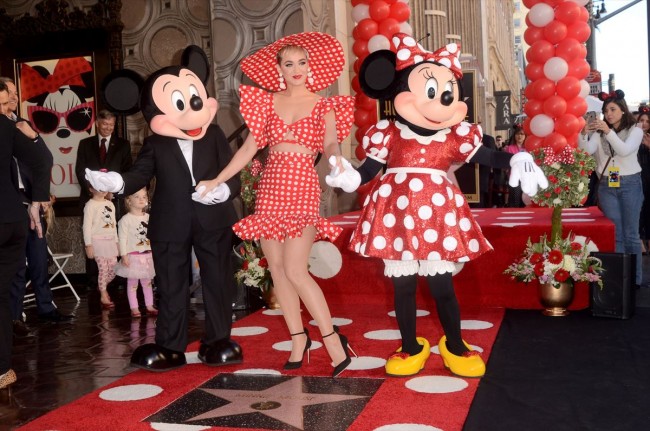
338,369
292,365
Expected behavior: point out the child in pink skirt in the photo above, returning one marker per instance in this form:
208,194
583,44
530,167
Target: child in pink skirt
136,263
100,238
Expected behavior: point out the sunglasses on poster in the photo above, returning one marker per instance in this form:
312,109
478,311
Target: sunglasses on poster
78,118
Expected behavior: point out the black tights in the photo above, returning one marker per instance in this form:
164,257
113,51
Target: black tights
442,290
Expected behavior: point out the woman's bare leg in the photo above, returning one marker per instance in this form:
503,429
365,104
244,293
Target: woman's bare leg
287,296
296,259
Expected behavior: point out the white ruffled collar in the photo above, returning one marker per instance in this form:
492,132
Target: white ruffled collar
407,133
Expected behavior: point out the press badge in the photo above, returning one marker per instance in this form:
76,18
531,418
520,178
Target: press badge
613,177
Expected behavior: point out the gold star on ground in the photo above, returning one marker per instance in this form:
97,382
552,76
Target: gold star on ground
283,402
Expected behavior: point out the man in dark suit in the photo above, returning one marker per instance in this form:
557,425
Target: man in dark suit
37,254
102,151
17,140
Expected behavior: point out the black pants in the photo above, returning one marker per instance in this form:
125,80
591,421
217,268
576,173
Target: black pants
12,252
172,261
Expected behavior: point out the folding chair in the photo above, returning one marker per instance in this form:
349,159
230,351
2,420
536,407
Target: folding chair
60,260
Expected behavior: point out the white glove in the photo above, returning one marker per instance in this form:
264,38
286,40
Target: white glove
220,194
348,180
525,171
105,181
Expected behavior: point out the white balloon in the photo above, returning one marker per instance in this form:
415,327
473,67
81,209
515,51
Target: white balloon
403,1
360,11
555,68
580,2
541,14
405,27
378,42
542,125
585,89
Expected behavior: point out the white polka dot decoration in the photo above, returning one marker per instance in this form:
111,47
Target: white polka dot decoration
158,426
255,371
407,427
192,358
325,260
130,392
338,321
475,324
272,312
383,334
249,330
591,245
285,346
436,384
366,363
418,313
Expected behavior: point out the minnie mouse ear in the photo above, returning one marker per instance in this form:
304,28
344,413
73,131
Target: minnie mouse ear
377,74
121,91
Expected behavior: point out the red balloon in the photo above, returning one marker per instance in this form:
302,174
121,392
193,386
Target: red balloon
568,87
379,10
572,140
540,51
553,3
360,48
580,31
581,123
389,27
357,65
534,107
567,125
530,3
359,152
584,15
534,71
555,141
526,126
555,31
554,106
568,12
400,11
579,68
364,117
529,92
364,102
532,143
355,84
358,2
568,49
543,88
533,34
576,106
366,28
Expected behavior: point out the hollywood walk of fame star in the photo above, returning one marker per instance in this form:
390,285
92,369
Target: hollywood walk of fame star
283,402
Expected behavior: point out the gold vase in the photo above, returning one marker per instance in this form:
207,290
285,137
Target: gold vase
269,297
555,300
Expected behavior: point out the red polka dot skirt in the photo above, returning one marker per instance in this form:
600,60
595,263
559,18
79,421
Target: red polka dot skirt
287,201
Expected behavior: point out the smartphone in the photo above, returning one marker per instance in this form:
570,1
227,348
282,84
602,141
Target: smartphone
591,116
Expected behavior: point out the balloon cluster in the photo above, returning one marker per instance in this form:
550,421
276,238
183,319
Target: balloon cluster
376,22
556,33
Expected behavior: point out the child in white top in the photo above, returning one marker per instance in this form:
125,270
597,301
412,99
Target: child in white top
100,238
136,263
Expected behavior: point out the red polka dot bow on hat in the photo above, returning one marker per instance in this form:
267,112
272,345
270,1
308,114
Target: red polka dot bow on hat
409,52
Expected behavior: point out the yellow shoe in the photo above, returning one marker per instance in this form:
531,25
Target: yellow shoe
402,364
468,365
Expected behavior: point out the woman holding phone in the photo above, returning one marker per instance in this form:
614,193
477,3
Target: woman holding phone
643,121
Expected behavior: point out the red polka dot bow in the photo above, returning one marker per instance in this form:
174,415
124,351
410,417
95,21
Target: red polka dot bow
410,52
66,72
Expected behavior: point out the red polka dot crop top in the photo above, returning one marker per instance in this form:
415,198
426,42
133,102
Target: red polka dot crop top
268,128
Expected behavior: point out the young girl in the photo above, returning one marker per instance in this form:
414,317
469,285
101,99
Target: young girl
100,237
136,263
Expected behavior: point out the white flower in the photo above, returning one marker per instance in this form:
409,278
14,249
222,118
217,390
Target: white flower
569,264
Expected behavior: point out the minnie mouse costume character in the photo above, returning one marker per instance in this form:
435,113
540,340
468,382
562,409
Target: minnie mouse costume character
185,149
415,218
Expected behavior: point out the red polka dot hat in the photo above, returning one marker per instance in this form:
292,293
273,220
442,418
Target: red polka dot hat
326,60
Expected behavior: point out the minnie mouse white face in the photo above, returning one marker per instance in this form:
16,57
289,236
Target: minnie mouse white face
432,101
187,111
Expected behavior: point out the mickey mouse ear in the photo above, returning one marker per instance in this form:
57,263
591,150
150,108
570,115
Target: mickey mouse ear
196,60
121,91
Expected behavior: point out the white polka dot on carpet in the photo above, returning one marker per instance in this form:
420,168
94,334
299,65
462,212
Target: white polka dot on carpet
418,313
383,334
272,312
265,371
436,384
366,363
130,392
338,321
436,350
192,357
177,427
407,427
475,324
249,330
285,346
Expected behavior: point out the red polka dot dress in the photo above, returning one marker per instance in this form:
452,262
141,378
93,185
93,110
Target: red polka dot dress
288,195
415,212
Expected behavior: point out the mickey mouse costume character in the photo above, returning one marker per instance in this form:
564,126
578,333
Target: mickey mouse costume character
415,218
185,149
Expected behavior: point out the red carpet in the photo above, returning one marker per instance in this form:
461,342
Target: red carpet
434,399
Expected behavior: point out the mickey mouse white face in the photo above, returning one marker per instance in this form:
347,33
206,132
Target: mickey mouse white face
432,101
186,109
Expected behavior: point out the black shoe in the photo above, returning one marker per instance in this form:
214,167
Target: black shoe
21,330
292,365
55,316
222,352
152,357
